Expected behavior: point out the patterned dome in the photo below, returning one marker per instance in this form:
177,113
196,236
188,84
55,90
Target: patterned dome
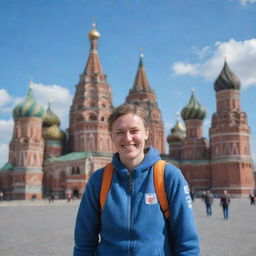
28,107
227,80
50,118
54,133
177,132
194,110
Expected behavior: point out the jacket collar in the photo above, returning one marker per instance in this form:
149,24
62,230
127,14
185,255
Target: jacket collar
151,157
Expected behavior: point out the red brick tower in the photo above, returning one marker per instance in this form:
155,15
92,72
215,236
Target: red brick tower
195,157
27,149
91,106
232,166
142,94
175,139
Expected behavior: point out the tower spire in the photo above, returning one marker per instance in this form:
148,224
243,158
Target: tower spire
93,65
141,82
142,94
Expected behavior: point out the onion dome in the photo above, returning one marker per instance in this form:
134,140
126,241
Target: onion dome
177,132
50,118
93,34
54,133
227,80
194,110
28,107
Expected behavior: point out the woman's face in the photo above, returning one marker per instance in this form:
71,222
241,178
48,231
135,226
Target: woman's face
129,135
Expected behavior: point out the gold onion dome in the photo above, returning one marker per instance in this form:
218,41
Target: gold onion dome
177,132
54,133
93,34
28,107
194,110
227,80
50,118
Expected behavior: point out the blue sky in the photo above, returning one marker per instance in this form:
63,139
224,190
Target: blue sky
184,44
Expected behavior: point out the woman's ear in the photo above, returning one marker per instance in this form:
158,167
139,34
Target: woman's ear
147,133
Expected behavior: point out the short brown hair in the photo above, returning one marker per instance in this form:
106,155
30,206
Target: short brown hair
125,109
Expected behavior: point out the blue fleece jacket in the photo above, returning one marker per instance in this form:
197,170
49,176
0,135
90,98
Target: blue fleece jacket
132,222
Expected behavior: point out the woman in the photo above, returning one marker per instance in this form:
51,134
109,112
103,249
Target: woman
129,224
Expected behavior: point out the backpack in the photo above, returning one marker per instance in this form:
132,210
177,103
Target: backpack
158,183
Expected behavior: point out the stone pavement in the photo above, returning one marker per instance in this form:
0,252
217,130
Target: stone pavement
40,228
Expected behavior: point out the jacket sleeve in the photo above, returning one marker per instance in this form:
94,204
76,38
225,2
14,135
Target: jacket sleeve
182,224
87,226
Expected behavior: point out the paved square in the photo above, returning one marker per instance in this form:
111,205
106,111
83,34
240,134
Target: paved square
46,229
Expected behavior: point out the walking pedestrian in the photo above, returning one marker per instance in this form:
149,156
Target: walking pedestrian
208,200
131,221
252,198
1,195
224,202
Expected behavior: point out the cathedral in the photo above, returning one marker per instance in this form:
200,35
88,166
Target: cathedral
44,159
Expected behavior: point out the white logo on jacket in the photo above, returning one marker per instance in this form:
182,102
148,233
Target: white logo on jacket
186,189
189,201
150,198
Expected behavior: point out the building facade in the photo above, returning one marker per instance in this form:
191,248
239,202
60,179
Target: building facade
43,159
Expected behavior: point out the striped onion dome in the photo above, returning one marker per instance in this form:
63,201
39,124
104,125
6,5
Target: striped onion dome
54,133
50,118
194,110
227,80
177,132
28,107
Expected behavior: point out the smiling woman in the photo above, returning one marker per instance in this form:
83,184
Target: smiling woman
129,133
131,220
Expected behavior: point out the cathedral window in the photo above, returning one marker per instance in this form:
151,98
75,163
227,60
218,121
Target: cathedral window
92,117
73,170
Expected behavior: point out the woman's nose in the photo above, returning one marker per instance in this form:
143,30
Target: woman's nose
128,136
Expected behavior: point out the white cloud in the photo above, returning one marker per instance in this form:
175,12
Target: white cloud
5,101
4,151
245,2
202,53
61,99
4,97
181,68
6,128
241,57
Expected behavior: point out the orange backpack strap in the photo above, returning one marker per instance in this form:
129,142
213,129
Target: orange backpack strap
160,187
106,183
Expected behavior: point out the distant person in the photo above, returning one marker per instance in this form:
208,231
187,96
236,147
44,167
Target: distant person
252,198
203,195
192,194
224,202
51,198
208,200
69,197
1,195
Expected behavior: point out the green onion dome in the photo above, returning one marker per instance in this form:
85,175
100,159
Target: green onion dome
28,107
227,80
50,118
177,132
194,110
54,133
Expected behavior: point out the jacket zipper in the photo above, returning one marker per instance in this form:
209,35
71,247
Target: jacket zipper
130,188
